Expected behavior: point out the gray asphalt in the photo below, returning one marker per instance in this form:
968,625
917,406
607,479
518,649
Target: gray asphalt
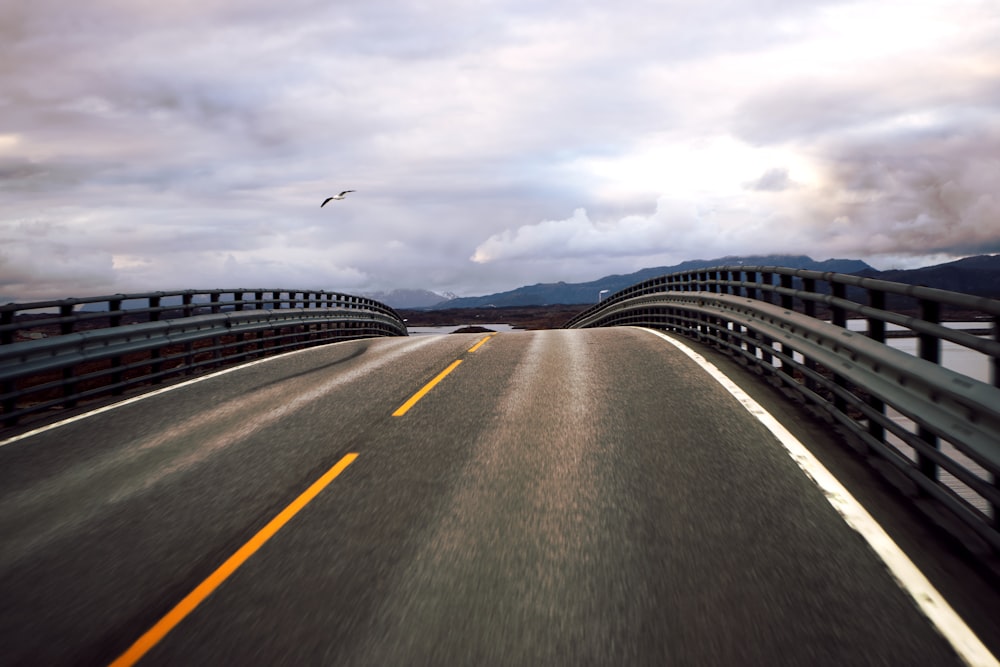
561,498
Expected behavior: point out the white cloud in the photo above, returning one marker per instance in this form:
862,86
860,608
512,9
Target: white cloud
189,142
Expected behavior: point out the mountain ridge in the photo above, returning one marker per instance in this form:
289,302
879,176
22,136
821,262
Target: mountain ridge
561,293
978,275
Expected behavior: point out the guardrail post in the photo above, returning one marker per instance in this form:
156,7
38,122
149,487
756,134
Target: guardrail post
242,337
7,335
766,278
66,326
66,315
186,304
876,331
750,288
114,320
995,376
929,349
809,306
750,292
839,318
788,303
114,312
787,300
154,316
995,366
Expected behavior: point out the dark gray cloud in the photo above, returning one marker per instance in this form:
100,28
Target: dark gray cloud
772,180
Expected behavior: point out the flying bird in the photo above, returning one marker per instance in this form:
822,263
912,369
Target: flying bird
340,196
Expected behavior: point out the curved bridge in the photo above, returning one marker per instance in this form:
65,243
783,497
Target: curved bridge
921,418
594,496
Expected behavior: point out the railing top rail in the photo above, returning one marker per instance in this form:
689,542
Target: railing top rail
53,303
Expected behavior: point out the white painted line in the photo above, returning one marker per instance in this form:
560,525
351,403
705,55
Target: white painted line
157,392
907,575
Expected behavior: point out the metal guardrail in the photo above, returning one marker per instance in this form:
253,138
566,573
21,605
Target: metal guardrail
55,354
938,427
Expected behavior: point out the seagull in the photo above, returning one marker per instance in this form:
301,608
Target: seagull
340,196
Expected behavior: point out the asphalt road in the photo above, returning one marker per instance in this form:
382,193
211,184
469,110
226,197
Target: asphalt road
559,498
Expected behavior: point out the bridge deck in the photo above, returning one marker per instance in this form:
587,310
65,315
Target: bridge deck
559,497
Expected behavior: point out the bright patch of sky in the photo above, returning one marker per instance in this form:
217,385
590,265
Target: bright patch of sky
149,145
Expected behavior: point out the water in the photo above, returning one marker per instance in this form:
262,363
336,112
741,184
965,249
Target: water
959,359
953,356
421,331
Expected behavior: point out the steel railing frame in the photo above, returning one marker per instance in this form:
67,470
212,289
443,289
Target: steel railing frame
126,342
854,377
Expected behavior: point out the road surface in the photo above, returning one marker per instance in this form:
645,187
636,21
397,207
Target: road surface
578,497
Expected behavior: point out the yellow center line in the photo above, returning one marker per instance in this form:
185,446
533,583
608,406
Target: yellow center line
410,402
481,343
405,407
214,580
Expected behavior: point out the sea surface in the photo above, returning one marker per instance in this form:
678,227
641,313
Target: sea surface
419,331
953,356
962,360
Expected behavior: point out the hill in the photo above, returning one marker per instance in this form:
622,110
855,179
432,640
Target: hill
543,294
408,298
978,275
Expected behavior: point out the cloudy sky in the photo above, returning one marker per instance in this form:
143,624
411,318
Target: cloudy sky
167,144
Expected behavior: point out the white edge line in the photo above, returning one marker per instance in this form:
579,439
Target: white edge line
951,626
157,392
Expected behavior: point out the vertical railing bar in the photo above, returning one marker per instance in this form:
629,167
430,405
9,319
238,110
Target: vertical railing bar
68,319
115,320
839,318
809,306
995,365
876,331
7,319
929,349
787,282
114,312
995,378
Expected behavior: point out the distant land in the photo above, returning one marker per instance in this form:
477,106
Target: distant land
978,275
409,298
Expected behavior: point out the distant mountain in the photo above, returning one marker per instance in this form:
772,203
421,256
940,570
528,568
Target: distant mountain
978,275
410,298
543,294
